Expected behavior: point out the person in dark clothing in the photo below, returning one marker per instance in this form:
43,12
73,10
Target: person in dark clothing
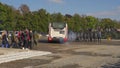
99,36
90,35
4,40
31,39
26,39
94,36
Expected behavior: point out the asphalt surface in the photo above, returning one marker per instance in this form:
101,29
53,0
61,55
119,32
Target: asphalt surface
72,54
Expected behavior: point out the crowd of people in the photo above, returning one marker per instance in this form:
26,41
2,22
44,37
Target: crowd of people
89,35
24,39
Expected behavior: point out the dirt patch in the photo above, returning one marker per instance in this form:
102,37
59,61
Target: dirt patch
25,62
44,47
71,66
91,54
116,65
117,57
1,53
55,57
28,62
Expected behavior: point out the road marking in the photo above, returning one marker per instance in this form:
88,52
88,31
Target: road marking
21,55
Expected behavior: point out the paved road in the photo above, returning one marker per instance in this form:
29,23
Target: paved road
71,55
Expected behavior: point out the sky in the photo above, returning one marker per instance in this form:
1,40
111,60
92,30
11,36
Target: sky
96,8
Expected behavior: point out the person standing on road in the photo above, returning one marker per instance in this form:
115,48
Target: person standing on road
4,39
34,38
94,35
13,44
20,38
99,34
7,43
26,39
30,39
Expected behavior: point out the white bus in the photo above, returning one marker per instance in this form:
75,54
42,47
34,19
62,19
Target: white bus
58,31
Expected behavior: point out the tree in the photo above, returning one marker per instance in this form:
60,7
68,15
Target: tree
24,9
57,17
92,22
68,19
107,23
21,18
77,22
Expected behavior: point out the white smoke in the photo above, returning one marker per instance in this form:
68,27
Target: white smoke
71,36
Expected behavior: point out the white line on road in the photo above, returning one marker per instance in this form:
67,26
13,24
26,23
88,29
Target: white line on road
21,55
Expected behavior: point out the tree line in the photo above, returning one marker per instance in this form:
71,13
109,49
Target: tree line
21,18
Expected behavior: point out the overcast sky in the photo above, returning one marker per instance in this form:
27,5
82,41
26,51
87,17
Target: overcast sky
97,8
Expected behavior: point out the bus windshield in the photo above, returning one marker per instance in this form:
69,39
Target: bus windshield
58,25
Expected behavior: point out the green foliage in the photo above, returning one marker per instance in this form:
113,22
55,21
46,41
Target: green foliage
57,17
15,19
